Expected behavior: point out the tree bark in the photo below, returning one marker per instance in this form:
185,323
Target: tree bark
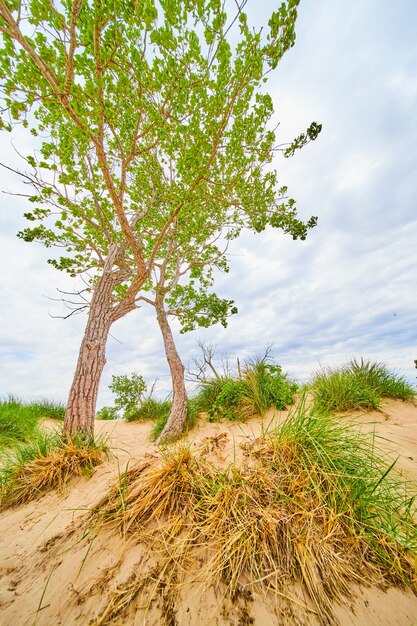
178,415
81,407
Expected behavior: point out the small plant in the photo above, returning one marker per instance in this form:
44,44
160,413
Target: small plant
47,462
129,391
358,385
107,413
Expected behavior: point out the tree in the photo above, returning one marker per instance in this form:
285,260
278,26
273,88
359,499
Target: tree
194,256
146,117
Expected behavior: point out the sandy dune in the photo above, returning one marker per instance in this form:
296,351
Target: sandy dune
51,574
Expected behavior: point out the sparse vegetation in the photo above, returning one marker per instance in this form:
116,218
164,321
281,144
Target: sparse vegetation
158,412
311,503
19,420
358,385
48,461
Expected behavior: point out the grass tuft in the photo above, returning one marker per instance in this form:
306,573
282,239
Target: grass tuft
358,385
313,503
47,462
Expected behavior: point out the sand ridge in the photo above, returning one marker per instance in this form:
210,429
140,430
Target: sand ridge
51,573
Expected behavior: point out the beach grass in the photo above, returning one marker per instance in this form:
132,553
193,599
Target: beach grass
19,421
48,461
360,384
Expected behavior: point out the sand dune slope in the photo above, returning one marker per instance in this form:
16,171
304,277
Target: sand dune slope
55,569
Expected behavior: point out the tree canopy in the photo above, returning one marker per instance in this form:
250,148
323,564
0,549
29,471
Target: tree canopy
153,136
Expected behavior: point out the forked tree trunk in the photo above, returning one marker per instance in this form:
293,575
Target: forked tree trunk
81,407
178,415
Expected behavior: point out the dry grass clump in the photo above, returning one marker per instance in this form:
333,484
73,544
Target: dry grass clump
46,463
312,505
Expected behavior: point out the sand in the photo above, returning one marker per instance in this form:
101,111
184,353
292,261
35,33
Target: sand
51,574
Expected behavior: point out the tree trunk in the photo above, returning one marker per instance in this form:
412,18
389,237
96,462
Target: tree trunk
81,407
178,415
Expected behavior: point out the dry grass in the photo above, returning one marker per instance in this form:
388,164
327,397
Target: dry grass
45,464
293,513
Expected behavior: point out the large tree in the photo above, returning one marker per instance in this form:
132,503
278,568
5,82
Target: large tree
145,115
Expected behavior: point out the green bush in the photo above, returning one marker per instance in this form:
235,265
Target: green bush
358,385
266,386
129,391
107,413
19,420
260,386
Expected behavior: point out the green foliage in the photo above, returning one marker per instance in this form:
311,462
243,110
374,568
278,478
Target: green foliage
107,413
208,393
128,391
19,420
260,386
154,137
358,385
195,307
267,386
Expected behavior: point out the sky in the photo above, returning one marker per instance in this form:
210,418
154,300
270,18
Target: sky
349,290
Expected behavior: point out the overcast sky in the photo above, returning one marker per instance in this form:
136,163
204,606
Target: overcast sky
348,290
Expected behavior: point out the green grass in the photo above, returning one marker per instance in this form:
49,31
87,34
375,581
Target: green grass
260,386
19,420
46,462
358,385
355,480
314,503
150,409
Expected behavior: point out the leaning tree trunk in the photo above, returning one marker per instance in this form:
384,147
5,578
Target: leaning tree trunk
179,408
81,407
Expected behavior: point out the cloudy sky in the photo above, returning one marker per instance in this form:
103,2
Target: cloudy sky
348,290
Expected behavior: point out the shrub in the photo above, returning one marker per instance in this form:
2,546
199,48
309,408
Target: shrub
267,386
107,413
358,385
129,391
260,386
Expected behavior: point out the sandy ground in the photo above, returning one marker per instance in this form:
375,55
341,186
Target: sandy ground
51,574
